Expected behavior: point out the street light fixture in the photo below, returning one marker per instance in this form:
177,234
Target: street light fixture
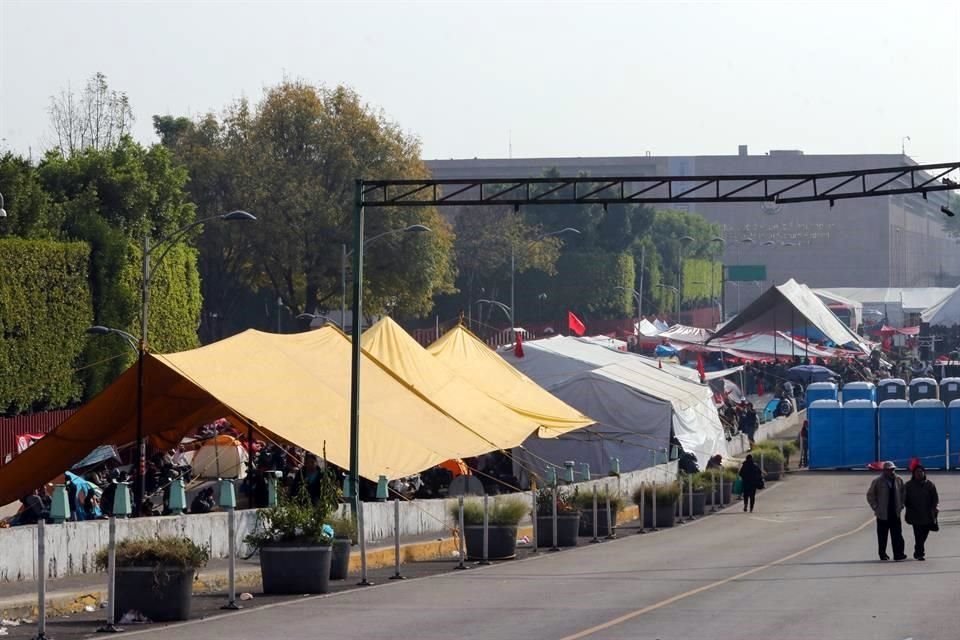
507,310
675,291
513,267
317,316
100,330
344,254
636,296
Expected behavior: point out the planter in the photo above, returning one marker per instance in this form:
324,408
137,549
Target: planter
772,470
719,500
666,514
340,559
291,569
568,526
501,542
586,521
161,594
699,504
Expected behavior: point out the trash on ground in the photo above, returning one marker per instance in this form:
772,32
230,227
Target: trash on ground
3,631
9,623
246,596
134,617
89,608
523,540
456,554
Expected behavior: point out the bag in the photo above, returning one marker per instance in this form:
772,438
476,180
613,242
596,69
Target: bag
738,486
935,526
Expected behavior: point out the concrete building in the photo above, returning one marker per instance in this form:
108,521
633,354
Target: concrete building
886,241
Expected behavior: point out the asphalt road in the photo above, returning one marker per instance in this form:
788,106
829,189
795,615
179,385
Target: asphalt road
802,566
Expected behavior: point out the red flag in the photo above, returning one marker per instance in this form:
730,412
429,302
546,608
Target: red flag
700,370
575,324
518,346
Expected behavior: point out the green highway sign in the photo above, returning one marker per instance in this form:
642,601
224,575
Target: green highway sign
746,272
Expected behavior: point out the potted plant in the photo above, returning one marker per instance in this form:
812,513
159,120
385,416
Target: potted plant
790,448
667,495
584,502
502,520
771,462
344,537
711,483
155,576
568,518
294,540
699,493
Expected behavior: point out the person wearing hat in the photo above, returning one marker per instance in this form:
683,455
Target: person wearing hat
921,502
885,496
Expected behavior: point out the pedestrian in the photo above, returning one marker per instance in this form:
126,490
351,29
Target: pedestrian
921,501
885,497
749,423
751,477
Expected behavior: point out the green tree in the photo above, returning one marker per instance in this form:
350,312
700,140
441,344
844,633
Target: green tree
666,232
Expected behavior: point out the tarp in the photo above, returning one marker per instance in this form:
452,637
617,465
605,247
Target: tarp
647,328
893,303
660,324
789,305
554,361
683,333
945,313
835,300
397,350
293,387
471,359
607,341
780,345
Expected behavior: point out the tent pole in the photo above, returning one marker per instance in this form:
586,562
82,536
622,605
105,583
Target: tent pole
793,340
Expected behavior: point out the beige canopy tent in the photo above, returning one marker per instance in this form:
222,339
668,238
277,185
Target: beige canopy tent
471,359
293,388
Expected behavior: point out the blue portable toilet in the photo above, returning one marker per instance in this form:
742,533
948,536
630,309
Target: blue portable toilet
923,389
821,391
930,433
891,389
895,441
949,390
953,430
859,391
825,433
859,433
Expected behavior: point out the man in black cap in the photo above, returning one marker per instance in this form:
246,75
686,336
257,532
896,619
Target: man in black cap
885,496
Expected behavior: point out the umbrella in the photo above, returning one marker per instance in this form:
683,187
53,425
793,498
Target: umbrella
808,373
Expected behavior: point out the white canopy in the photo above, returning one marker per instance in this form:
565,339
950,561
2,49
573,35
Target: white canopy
893,302
683,333
945,313
647,328
555,362
835,300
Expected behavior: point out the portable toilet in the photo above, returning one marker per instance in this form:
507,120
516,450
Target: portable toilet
953,429
895,433
930,433
859,433
891,389
949,390
923,389
859,391
821,391
825,434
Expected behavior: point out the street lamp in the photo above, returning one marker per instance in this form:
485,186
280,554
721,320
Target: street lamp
684,241
636,296
713,281
317,316
676,291
344,254
513,268
507,310
140,346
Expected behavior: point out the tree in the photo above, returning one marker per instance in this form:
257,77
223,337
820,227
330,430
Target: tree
97,119
667,230
292,161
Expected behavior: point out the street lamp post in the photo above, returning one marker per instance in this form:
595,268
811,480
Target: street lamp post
317,316
676,292
713,281
344,255
636,296
684,241
507,310
513,269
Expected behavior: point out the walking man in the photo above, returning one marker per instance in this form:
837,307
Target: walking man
751,477
885,496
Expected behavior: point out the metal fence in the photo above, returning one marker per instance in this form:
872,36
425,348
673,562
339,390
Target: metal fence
36,423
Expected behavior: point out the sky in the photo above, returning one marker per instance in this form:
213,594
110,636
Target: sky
487,79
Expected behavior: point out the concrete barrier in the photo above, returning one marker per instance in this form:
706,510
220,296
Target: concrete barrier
72,547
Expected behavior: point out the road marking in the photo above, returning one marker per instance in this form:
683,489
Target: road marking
713,585
791,519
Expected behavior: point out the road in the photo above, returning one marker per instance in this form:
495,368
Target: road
803,566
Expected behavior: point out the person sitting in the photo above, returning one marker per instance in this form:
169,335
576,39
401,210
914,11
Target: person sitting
204,502
715,462
32,510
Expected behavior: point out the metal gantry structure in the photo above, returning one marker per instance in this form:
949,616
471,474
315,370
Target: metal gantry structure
585,190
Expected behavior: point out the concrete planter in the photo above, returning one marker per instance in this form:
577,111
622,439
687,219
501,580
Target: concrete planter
725,498
287,569
603,529
699,504
501,542
666,515
773,471
568,526
340,559
162,594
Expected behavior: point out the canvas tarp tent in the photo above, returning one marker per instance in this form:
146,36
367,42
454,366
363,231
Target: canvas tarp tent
294,388
853,308
945,313
646,328
471,359
787,306
554,361
683,333
893,303
396,349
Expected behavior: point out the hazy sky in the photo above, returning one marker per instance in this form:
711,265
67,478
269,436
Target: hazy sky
560,78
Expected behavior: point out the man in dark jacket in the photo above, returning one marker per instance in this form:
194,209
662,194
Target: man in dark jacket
885,497
751,477
32,510
921,502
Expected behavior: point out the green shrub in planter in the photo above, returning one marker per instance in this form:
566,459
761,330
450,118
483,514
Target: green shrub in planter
584,501
711,482
667,495
344,537
155,576
771,462
568,517
507,512
503,516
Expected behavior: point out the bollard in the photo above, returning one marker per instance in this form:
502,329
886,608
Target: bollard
382,489
713,493
723,501
643,499
690,515
570,474
948,452
553,496
462,545
59,505
396,541
782,456
653,507
41,581
228,501
533,498
362,537
121,508
486,531
611,531
595,507
763,469
680,504
585,470
177,503
615,466
272,479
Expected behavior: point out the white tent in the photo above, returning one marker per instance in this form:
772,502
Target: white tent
558,365
895,303
647,328
683,333
945,313
836,302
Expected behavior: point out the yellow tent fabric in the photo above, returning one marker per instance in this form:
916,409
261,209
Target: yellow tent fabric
474,361
396,349
294,388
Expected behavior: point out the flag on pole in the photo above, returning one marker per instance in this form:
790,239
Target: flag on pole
700,369
518,345
575,324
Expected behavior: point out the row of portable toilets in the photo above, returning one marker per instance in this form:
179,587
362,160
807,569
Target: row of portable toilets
888,421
